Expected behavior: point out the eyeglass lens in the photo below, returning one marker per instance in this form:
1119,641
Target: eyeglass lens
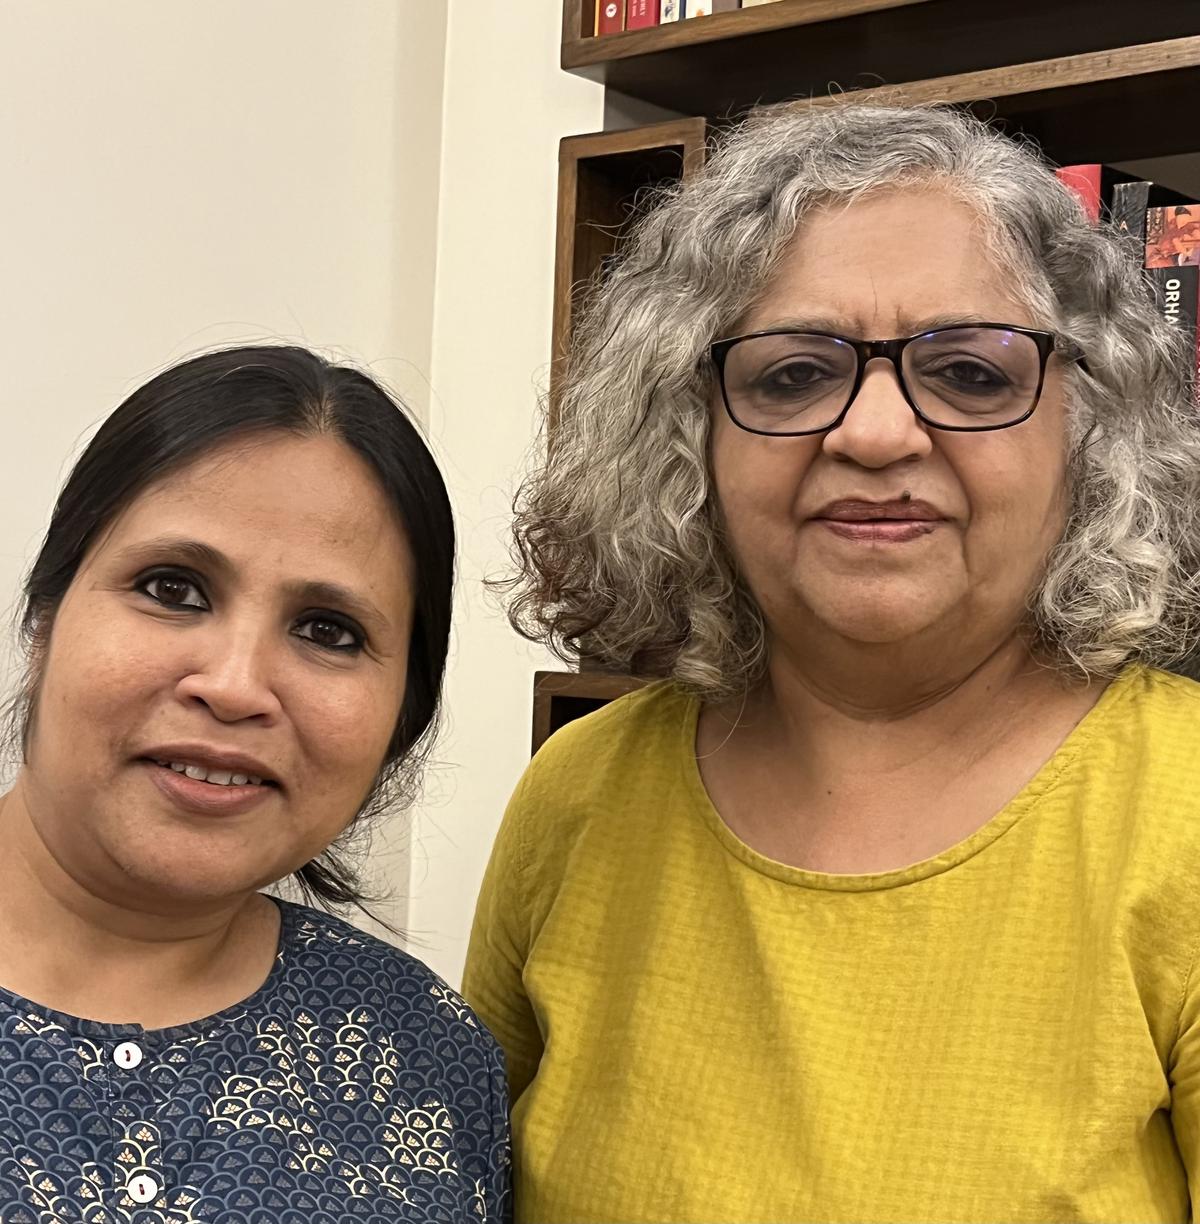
974,377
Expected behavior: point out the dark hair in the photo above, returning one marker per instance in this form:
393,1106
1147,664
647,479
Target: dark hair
207,401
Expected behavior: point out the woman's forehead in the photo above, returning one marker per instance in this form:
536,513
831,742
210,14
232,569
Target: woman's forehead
891,264
298,503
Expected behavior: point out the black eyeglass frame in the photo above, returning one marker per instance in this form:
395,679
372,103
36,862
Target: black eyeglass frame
891,350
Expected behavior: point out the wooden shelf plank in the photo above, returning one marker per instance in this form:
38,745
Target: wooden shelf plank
578,51
1064,72
733,63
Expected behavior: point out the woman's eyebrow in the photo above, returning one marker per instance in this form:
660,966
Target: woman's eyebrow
180,548
332,595
336,597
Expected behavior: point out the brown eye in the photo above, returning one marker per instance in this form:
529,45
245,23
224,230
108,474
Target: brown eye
174,591
330,634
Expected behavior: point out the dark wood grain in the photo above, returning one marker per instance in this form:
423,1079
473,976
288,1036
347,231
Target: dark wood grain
1111,106
581,48
688,68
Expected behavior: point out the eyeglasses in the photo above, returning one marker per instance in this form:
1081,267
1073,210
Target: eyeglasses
968,378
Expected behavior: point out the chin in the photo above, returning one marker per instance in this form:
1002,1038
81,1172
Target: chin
191,879
878,625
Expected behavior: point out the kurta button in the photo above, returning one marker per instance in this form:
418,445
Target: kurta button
142,1188
127,1055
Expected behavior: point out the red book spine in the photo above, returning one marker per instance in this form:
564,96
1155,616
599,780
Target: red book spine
610,16
1084,181
642,14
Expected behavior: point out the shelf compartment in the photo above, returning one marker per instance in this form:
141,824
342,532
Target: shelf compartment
582,48
1110,106
604,179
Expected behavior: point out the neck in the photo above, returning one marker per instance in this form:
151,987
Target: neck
834,712
876,764
114,957
872,683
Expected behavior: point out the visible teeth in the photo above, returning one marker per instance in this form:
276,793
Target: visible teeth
215,777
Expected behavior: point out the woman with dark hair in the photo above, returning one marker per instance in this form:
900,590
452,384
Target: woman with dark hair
882,903
237,629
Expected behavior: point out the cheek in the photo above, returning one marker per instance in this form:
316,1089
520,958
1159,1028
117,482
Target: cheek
344,724
95,671
1017,499
758,480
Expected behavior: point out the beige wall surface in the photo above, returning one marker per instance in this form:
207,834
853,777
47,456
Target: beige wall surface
183,175
376,179
506,105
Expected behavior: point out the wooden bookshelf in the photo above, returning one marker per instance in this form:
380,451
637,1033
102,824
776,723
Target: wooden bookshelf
1089,80
581,48
604,182
1065,71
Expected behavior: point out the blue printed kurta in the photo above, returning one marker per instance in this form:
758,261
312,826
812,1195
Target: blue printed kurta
354,1085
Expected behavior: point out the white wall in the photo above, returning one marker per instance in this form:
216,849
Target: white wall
507,103
181,175
376,177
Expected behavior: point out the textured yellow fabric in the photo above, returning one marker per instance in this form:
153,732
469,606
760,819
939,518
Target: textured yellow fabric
1008,1031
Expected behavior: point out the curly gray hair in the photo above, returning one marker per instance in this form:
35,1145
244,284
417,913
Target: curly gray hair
618,537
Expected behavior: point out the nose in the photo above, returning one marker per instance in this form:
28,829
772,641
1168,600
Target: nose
232,674
879,428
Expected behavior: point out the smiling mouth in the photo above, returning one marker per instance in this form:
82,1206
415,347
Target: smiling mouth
214,777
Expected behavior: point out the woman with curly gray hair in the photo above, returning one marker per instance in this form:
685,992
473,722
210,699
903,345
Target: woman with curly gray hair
881,904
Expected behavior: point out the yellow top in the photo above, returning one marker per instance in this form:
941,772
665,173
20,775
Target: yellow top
1008,1031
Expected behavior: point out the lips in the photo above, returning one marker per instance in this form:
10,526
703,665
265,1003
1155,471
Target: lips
856,510
215,777
203,761
895,521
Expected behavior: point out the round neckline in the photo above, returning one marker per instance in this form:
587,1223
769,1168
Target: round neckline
1042,783
103,1031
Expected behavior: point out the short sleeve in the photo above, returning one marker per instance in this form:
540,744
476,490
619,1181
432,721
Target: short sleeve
493,981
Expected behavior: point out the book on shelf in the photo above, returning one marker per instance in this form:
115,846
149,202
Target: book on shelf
610,16
1173,266
1132,201
641,14
1093,185
613,16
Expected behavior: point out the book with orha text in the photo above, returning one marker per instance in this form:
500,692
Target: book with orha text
1173,266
